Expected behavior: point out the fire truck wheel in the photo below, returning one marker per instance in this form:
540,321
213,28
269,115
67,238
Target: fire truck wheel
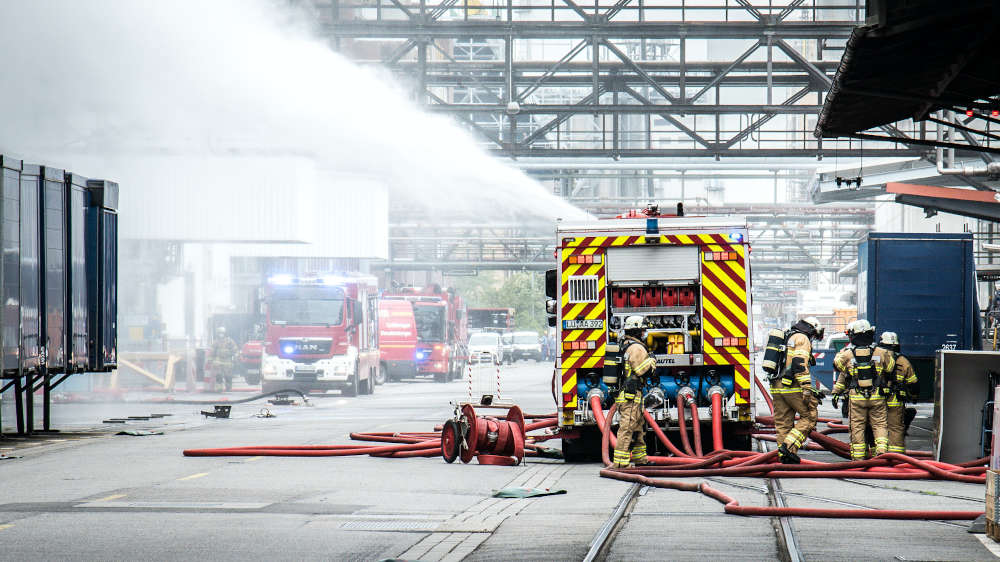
370,381
440,377
380,373
352,388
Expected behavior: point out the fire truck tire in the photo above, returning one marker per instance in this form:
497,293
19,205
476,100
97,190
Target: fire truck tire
440,377
381,374
252,380
354,384
370,381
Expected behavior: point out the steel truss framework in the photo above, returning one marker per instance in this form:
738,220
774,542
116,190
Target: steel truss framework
626,85
789,242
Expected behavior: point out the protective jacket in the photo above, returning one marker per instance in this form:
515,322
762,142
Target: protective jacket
862,370
224,352
788,396
631,445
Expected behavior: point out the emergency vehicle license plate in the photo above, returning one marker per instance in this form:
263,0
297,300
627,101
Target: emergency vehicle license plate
583,324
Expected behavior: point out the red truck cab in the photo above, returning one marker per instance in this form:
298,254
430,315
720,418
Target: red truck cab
439,348
320,333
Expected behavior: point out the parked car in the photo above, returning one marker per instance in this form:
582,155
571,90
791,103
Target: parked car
507,345
527,345
488,343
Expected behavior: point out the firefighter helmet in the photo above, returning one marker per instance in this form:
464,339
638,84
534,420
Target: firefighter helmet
818,330
860,327
633,323
221,330
889,338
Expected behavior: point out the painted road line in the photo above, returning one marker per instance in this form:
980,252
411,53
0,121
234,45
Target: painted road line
7,526
193,476
251,459
111,497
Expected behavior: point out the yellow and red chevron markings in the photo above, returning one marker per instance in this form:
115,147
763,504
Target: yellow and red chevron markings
724,306
582,349
724,312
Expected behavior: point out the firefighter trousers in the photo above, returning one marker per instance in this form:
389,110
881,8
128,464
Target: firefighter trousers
865,412
896,426
787,403
631,446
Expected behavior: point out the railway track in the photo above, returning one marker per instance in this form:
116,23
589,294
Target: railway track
787,542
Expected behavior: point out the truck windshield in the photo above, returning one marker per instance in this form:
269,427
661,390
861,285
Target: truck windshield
430,322
525,338
484,339
307,312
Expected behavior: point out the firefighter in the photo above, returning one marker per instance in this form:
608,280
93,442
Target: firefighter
860,367
223,355
636,364
901,382
793,392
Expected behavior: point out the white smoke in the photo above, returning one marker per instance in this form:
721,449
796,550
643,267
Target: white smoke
98,82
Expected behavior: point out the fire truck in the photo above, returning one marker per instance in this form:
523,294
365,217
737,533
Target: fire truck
688,277
438,342
320,333
491,319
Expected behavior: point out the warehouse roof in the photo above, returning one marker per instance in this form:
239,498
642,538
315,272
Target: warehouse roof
919,57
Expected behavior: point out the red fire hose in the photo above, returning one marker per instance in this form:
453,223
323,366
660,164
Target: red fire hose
682,425
717,421
696,428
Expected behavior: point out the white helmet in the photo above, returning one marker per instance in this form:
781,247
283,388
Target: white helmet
632,323
859,327
889,338
221,330
816,326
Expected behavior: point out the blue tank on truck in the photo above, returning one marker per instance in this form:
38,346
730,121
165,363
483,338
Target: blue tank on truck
923,287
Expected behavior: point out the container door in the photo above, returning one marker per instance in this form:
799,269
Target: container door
30,272
77,264
10,322
53,296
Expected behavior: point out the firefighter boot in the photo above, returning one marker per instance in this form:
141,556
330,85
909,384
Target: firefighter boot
786,456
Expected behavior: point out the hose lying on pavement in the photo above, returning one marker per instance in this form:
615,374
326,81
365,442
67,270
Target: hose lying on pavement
227,401
721,462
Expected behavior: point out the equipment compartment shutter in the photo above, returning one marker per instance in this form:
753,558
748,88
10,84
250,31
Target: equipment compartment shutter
653,263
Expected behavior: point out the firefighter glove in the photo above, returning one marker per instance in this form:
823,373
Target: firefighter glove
835,400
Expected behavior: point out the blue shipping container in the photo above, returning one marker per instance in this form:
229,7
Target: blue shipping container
921,286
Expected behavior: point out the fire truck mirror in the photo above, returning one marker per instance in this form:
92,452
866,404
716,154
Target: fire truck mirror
551,286
550,306
552,321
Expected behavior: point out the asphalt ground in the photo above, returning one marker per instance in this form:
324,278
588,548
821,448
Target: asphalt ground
89,494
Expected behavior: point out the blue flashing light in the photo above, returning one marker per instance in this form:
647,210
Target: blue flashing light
652,226
283,279
420,355
289,349
736,236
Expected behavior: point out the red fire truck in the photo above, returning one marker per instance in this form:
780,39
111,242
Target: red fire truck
320,333
439,318
492,319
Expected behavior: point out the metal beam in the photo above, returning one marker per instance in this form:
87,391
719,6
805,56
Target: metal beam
582,30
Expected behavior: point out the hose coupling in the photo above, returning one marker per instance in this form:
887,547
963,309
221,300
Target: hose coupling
655,398
596,391
717,390
686,394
